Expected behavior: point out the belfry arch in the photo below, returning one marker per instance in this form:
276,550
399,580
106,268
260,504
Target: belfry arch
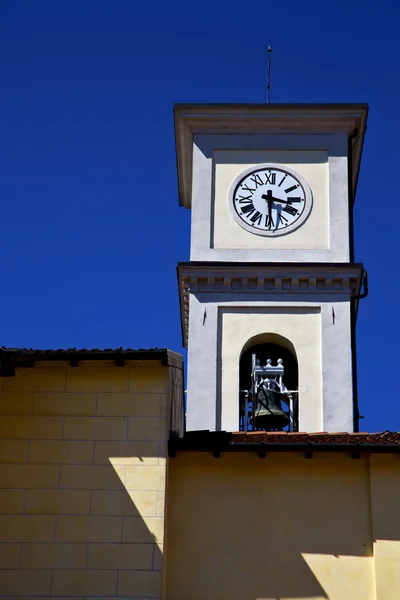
268,384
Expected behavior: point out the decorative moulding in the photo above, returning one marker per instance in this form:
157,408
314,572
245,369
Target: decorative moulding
191,119
264,280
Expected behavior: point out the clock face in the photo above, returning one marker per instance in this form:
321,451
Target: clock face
270,200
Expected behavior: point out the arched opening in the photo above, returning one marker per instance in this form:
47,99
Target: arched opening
268,384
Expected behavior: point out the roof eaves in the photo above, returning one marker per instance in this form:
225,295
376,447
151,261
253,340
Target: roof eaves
13,357
190,119
205,441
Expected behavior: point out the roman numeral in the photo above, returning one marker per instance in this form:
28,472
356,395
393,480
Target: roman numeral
292,188
248,209
282,180
246,188
244,199
271,178
256,179
292,199
281,218
269,222
256,218
290,209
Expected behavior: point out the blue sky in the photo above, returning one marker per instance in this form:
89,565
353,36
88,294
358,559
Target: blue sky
91,225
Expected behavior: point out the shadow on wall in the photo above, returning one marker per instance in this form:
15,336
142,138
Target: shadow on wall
244,528
138,502
98,532
82,480
125,525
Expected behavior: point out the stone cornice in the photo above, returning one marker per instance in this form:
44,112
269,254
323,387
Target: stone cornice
263,118
265,279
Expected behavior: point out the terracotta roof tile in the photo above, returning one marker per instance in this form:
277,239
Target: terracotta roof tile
318,438
12,357
269,441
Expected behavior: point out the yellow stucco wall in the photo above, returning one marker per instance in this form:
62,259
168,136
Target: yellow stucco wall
82,480
284,527
385,503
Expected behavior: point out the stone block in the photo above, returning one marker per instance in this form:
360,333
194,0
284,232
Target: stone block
158,557
88,529
74,404
95,428
135,404
143,530
15,403
160,504
28,476
92,477
43,597
14,451
141,583
124,503
20,582
84,583
35,380
165,408
98,379
126,453
145,477
120,556
9,556
57,502
27,528
110,598
151,380
30,428
60,452
53,556
148,428
12,501
162,453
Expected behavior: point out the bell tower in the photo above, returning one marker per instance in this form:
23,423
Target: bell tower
269,298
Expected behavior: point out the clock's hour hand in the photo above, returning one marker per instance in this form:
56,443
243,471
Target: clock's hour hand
269,199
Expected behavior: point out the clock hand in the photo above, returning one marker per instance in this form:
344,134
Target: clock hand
269,196
269,199
290,201
280,200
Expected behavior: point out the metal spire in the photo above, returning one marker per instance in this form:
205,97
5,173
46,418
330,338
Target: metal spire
269,76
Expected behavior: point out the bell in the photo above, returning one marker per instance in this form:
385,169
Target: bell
268,413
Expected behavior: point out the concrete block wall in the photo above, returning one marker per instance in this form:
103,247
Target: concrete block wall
82,480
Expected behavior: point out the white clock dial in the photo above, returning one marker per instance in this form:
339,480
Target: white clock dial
270,200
